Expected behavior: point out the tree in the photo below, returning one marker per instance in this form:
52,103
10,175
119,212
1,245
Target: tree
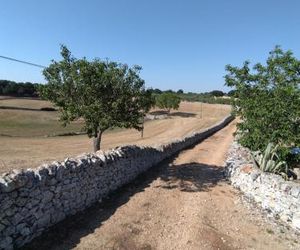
168,101
156,91
180,91
217,93
268,100
104,94
169,91
231,93
18,88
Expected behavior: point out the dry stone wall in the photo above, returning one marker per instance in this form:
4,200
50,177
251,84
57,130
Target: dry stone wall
279,197
34,199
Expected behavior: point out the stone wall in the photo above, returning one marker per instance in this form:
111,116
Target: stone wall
279,197
34,199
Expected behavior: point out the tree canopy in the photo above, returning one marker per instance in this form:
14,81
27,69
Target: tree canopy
11,88
104,94
217,93
268,100
168,101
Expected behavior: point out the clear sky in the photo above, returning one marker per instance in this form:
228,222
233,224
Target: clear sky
181,44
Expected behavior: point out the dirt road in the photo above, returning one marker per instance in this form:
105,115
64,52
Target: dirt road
184,203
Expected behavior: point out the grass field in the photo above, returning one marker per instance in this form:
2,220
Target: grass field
31,148
24,103
29,123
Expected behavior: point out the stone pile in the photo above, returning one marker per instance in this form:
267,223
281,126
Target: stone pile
279,197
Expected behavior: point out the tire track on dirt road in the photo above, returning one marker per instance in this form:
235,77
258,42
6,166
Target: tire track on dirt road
184,203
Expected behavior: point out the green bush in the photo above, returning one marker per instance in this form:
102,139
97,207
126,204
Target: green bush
267,99
204,97
167,101
11,88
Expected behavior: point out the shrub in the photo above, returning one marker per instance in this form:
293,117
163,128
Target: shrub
269,161
267,101
168,101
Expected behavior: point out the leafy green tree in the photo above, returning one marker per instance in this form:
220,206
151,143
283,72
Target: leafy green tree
104,94
231,93
156,91
217,93
268,100
18,88
168,101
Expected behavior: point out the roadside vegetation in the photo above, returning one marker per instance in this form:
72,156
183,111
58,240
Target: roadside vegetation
267,99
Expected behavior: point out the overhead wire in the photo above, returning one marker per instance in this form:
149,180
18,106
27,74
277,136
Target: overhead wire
21,61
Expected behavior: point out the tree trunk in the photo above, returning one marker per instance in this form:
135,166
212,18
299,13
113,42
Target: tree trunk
97,141
142,131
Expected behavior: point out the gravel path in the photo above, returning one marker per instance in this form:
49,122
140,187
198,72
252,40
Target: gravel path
184,203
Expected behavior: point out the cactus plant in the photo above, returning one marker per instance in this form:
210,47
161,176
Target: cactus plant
269,161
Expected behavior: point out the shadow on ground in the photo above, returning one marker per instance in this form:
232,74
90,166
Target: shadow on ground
181,114
46,109
191,177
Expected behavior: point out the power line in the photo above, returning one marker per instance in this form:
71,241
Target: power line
20,61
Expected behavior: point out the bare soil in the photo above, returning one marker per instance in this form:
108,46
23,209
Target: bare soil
184,203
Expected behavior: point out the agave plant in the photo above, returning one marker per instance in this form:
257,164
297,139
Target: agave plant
269,161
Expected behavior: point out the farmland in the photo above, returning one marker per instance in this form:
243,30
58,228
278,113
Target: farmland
27,141
30,121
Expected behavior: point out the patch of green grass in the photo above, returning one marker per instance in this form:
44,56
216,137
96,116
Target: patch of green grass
27,123
33,123
270,231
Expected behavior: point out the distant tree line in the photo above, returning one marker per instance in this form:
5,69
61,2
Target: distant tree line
20,89
215,96
28,89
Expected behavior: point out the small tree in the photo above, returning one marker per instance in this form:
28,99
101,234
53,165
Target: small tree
168,101
268,100
217,93
231,93
104,94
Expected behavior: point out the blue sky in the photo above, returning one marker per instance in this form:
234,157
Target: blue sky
181,44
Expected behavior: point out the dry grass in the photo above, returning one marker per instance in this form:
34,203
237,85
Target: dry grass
27,123
24,103
24,152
